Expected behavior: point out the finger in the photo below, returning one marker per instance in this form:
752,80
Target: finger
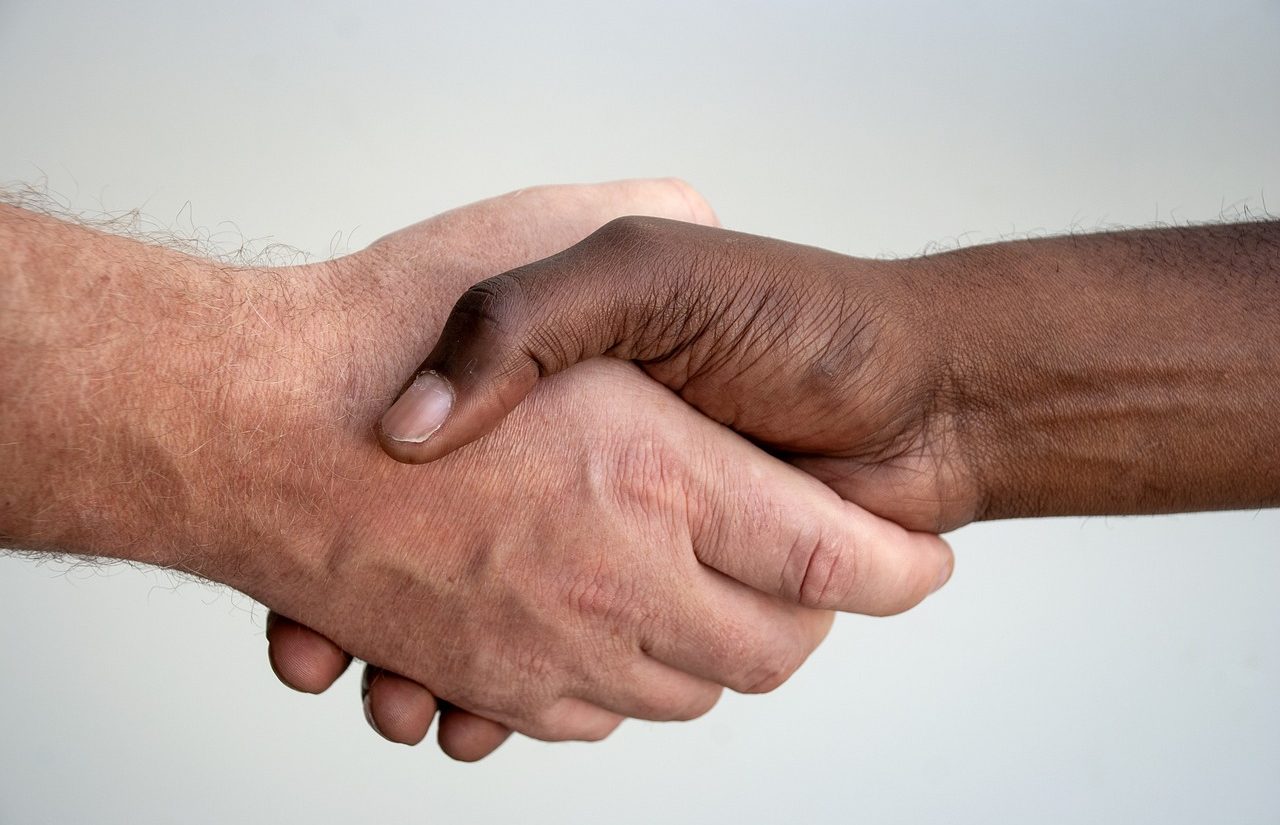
628,291
890,489
467,737
571,719
398,709
735,636
649,689
302,658
774,528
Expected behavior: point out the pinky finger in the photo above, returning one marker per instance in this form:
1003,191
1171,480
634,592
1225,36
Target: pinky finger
467,737
398,709
302,658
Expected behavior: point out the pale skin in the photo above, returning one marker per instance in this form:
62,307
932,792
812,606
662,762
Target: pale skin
608,552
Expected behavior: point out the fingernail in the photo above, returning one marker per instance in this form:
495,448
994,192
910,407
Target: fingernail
420,409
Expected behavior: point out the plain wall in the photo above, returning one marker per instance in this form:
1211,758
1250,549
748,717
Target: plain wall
1105,670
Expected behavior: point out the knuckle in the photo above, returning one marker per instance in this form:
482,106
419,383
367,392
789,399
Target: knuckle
492,306
600,593
651,708
663,704
503,684
596,731
698,705
545,728
769,673
819,572
755,661
552,724
535,719
647,475
674,703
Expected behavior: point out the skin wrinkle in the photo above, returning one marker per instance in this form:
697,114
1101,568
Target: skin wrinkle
824,562
796,571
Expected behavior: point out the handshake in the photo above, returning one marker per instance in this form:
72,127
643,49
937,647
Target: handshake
653,463
617,546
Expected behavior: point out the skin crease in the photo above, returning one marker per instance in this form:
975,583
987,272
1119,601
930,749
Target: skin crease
633,600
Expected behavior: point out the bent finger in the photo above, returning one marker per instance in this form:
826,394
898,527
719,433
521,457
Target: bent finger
652,690
302,658
467,737
398,709
739,637
572,719
774,528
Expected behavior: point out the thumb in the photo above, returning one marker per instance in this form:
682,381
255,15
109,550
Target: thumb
626,291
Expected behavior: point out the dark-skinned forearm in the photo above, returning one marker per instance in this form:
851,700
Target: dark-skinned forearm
1134,372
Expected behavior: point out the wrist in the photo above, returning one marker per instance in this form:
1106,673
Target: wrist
267,406
924,438
971,344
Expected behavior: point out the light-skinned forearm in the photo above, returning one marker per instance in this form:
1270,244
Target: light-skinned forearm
121,424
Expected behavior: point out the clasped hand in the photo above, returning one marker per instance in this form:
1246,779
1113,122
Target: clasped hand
609,550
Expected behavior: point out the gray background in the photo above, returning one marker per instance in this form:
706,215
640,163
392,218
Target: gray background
1100,670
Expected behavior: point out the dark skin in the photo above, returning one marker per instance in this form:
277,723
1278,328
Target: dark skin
1118,373
1115,373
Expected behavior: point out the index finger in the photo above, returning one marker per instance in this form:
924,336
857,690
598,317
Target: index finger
772,527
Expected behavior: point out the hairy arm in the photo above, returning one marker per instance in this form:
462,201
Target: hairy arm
121,363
